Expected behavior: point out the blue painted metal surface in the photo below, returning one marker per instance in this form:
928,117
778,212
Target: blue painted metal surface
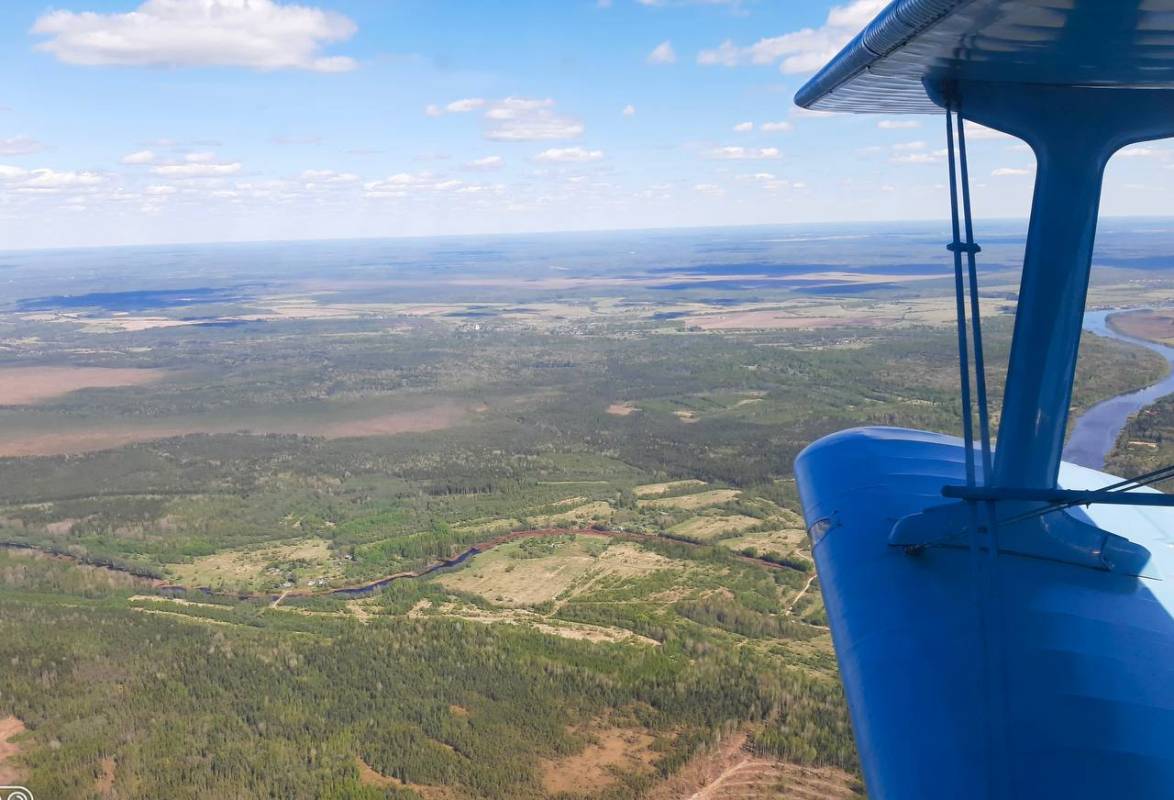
1061,42
988,651
1078,703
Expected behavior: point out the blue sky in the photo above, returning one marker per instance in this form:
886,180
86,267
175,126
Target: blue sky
127,122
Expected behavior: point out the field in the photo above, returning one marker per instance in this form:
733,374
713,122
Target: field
367,528
1156,326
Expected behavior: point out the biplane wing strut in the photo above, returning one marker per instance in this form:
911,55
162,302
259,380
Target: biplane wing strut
1004,621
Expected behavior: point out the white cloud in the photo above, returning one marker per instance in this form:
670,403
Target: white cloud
160,190
711,189
515,119
1145,151
465,105
911,155
406,184
328,176
523,119
139,157
197,168
735,153
203,157
488,162
908,146
744,127
569,154
48,180
776,127
20,146
977,132
258,34
799,51
807,113
1002,172
898,124
629,110
770,182
663,53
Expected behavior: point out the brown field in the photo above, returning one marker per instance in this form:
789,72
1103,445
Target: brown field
22,386
593,769
104,437
1155,326
10,771
729,772
767,320
621,409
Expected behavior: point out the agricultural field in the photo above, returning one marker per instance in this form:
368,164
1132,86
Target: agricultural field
496,532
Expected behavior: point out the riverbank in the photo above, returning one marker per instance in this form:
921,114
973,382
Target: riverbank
1096,431
367,588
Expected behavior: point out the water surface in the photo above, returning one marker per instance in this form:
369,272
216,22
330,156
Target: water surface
1097,429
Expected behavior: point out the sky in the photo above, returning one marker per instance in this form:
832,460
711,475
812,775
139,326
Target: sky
132,122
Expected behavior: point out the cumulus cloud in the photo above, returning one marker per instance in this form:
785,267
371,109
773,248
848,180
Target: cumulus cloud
799,51
663,53
47,180
20,146
744,127
523,119
976,132
197,165
465,105
515,119
771,182
629,110
897,124
734,153
776,127
569,155
328,176
488,162
257,34
406,184
1003,172
139,157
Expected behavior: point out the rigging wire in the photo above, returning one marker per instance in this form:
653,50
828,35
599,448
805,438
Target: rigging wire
956,248
972,249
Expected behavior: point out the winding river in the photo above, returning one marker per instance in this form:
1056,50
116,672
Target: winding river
1097,429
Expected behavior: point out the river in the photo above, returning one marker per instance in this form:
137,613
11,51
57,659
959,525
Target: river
1097,429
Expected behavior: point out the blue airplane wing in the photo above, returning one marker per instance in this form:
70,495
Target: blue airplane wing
994,640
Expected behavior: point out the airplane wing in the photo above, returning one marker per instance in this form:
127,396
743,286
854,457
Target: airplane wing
998,636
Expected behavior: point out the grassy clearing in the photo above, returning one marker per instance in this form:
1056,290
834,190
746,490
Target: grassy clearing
781,542
708,528
654,489
506,577
595,767
692,502
296,563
